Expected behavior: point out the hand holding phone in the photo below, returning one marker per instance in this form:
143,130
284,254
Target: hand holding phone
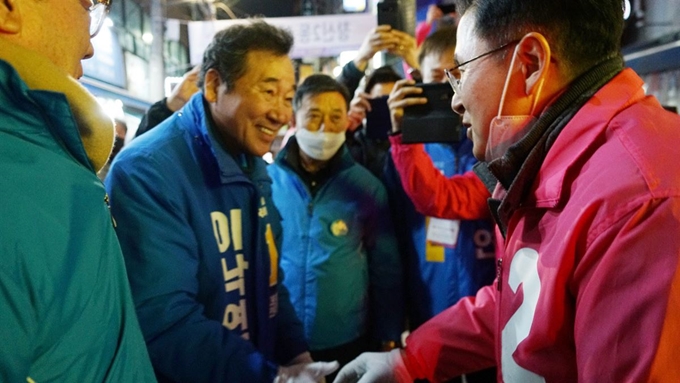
433,121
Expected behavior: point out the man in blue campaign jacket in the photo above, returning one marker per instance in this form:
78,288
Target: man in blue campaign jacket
339,255
199,232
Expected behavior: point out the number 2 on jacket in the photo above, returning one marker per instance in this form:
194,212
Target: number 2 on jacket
524,270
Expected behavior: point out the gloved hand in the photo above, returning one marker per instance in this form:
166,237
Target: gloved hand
375,367
305,372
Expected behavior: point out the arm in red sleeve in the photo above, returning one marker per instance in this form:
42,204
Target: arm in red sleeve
461,196
456,341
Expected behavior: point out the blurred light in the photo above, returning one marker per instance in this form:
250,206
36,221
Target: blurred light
627,9
112,108
268,157
354,5
108,22
337,70
378,61
147,38
346,56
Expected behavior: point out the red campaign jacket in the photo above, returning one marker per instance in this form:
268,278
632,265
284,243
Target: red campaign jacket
589,288
462,196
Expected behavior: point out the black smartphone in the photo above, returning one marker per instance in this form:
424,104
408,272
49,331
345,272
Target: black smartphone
388,14
433,121
447,8
378,122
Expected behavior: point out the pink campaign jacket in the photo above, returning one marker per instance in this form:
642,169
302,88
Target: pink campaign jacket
589,287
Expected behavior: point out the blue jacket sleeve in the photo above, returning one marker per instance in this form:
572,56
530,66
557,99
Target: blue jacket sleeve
159,247
385,272
290,332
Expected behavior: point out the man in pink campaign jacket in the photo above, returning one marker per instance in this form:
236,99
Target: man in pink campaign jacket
586,193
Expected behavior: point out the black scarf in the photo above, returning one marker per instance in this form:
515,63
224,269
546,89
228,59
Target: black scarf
516,170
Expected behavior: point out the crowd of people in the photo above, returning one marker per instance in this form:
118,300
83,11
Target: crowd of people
538,245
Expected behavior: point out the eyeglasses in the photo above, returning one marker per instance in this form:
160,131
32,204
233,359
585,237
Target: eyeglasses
98,12
454,75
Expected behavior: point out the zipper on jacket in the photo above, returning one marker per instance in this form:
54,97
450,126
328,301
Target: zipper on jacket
108,205
499,274
310,208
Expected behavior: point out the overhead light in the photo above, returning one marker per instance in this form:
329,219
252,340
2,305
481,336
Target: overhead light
147,38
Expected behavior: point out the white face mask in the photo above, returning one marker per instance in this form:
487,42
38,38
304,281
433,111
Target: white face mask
505,131
319,145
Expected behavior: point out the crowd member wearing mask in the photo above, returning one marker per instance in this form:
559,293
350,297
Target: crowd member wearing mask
339,252
586,193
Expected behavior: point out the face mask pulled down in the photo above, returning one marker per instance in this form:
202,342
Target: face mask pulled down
505,131
319,145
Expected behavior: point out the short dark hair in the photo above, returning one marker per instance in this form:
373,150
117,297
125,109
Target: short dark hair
438,42
383,75
317,84
228,49
580,32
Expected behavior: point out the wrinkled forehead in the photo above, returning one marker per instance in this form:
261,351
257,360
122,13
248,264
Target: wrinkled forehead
324,101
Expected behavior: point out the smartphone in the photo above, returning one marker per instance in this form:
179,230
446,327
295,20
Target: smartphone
447,8
378,122
388,14
433,121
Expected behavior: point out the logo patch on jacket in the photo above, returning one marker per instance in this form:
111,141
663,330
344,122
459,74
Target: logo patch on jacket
339,228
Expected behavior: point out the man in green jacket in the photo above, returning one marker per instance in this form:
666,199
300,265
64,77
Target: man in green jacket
66,312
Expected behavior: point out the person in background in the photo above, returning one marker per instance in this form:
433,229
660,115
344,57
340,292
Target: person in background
438,15
66,312
339,253
450,257
369,148
198,228
578,159
164,108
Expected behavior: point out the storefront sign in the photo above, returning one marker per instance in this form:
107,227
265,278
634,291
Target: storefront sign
315,36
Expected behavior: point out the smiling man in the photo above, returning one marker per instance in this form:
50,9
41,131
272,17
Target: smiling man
66,312
198,228
586,194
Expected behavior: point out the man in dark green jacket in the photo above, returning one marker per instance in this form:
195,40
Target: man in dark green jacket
66,312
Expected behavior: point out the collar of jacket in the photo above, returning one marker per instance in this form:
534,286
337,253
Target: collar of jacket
195,117
516,171
95,127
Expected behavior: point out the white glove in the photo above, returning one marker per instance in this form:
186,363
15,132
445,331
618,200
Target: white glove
375,367
305,372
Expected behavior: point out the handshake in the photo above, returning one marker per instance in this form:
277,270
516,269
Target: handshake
369,367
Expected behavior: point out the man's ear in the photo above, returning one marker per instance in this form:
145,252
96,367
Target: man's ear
534,55
212,85
10,17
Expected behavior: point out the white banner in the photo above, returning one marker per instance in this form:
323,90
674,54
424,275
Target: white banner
315,36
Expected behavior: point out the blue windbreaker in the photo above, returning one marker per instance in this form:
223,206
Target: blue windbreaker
438,276
339,254
200,238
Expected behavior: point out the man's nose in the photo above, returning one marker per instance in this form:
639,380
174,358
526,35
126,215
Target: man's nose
457,104
90,51
281,113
